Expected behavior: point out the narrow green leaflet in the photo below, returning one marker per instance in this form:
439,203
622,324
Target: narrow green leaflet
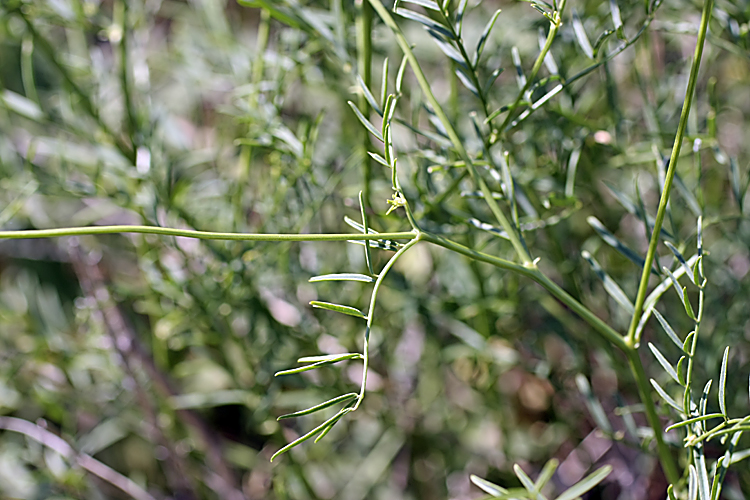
427,4
310,434
321,406
666,397
668,329
527,483
488,487
612,288
581,37
330,358
693,420
465,79
384,84
378,159
688,344
612,240
364,121
520,77
664,363
681,370
616,18
343,277
351,311
460,16
368,95
682,261
586,484
483,38
329,426
723,383
547,472
400,74
682,293
317,362
692,483
424,21
735,178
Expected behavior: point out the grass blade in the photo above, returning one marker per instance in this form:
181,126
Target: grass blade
321,406
350,311
586,484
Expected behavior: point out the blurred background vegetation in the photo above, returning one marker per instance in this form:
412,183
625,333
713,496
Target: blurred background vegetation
156,355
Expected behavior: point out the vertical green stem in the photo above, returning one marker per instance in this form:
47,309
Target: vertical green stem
554,28
689,94
520,249
364,67
644,391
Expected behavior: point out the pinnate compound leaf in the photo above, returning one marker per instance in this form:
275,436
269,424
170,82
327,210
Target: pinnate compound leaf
664,363
364,121
488,487
666,397
348,310
321,406
586,484
723,383
343,277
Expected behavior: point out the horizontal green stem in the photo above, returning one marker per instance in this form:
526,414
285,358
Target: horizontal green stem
531,272
202,235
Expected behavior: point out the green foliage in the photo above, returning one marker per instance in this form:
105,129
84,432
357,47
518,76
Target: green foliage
484,272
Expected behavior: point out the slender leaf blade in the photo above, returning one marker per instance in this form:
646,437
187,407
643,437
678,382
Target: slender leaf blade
348,310
586,484
664,363
666,397
364,121
488,487
723,382
343,277
321,406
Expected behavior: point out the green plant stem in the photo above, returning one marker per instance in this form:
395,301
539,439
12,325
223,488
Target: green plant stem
523,254
202,235
536,275
370,314
644,390
551,35
364,66
689,94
